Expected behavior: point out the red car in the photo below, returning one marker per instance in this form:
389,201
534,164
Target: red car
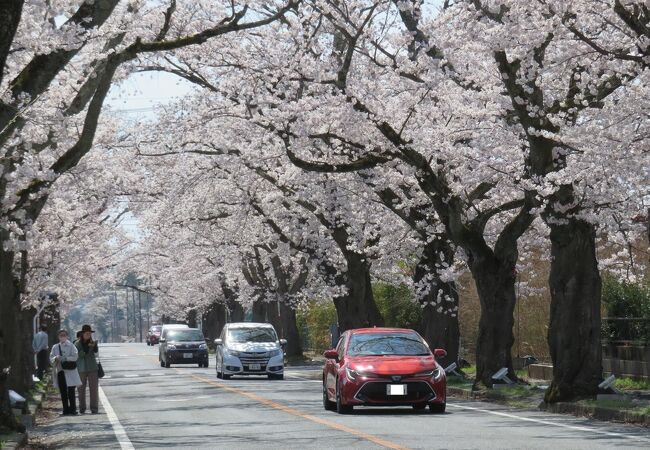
383,367
153,335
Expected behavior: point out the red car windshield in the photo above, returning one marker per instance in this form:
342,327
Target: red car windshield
386,344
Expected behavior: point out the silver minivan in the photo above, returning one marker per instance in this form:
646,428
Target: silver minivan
248,348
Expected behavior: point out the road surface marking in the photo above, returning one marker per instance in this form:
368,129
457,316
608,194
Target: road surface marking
294,377
120,434
198,397
295,412
555,424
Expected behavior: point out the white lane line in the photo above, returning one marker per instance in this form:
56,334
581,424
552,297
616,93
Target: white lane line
182,399
554,424
120,434
131,375
293,377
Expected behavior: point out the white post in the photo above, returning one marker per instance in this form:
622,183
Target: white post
37,320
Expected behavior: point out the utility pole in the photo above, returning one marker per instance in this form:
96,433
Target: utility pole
114,311
126,318
135,323
110,310
140,312
148,310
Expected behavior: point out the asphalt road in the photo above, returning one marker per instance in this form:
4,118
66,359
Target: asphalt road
146,406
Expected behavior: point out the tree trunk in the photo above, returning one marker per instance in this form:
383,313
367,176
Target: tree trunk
10,12
441,330
574,330
289,330
22,367
51,317
283,321
191,319
260,311
357,308
439,325
495,284
10,308
235,312
214,320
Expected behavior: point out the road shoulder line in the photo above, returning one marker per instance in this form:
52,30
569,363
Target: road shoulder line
118,429
548,422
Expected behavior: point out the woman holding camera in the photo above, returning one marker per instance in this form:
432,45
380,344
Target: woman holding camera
88,369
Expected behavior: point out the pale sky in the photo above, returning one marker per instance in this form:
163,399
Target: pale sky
141,93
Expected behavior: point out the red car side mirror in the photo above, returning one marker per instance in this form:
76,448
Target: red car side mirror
331,354
440,353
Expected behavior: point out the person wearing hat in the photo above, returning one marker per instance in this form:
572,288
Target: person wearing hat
65,377
88,369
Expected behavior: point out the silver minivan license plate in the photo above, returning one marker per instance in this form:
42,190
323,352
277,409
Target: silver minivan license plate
254,367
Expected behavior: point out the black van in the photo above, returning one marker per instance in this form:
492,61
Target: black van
183,346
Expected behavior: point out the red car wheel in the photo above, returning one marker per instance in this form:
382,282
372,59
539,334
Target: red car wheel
327,403
437,408
341,408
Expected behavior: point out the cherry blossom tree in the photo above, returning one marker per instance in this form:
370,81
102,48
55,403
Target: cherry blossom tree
59,61
497,153
355,104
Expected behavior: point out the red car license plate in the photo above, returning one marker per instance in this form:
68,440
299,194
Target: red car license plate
396,389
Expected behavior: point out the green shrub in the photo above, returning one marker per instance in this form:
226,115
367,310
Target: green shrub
314,320
626,300
630,384
394,302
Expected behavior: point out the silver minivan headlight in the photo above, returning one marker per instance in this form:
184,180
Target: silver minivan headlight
276,352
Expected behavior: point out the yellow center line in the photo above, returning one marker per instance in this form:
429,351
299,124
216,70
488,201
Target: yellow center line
297,413
294,412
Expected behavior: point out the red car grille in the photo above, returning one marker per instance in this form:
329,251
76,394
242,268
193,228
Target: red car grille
375,392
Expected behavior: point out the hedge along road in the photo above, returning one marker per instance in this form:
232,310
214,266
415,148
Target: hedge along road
188,407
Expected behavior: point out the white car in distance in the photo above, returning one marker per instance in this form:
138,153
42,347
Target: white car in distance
248,348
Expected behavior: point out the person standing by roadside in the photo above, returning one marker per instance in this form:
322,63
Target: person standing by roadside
88,369
65,376
40,347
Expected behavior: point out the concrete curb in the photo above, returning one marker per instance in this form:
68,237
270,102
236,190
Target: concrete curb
28,419
595,412
466,394
598,412
12,441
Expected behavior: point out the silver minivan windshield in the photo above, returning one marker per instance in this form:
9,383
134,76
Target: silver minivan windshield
250,334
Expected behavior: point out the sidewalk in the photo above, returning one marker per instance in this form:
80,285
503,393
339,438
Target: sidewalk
53,431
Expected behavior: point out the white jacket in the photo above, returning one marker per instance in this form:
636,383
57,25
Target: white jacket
68,352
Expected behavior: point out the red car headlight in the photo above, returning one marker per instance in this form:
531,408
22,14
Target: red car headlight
356,374
436,374
351,374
